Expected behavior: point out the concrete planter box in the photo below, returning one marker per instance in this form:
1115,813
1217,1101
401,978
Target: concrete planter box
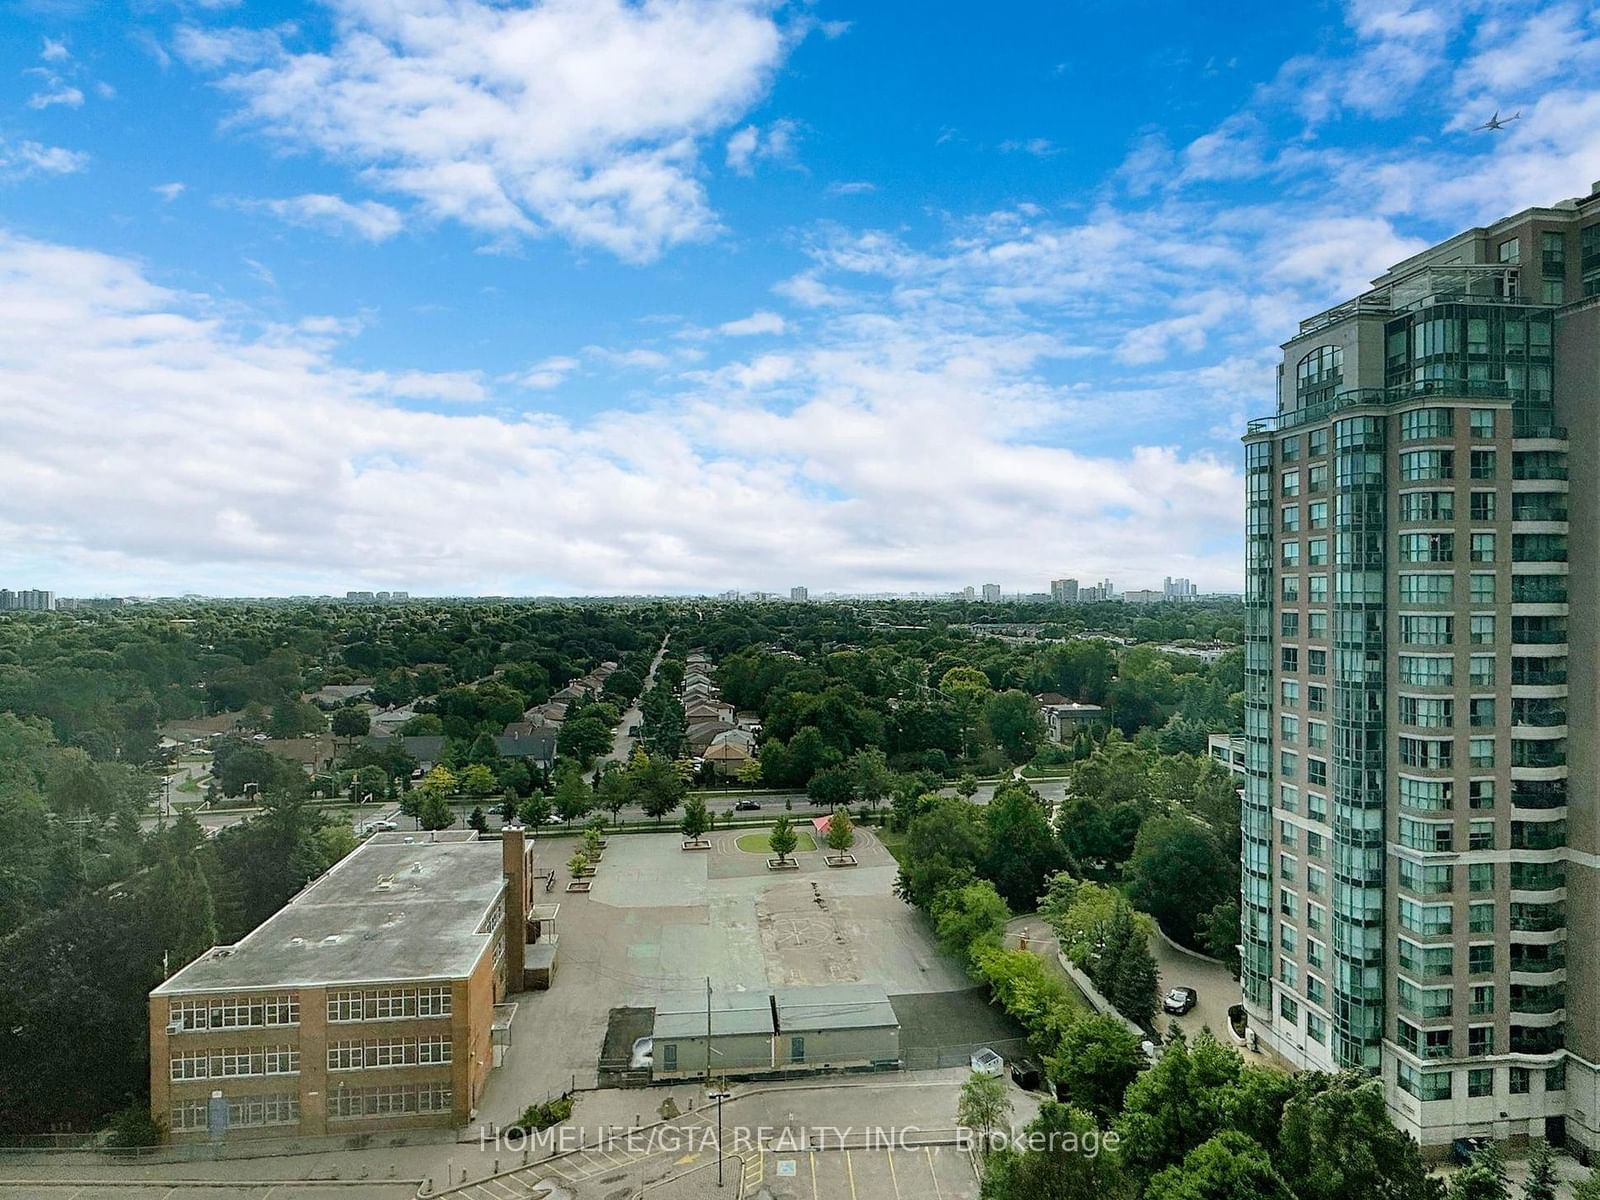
774,864
579,885
588,872
696,844
840,860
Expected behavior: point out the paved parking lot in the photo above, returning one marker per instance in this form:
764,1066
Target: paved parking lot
660,918
916,1173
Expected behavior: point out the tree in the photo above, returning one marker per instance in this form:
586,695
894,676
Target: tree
967,785
434,812
1177,874
1179,1103
696,820
578,864
535,810
870,775
1484,1178
136,1127
1227,1167
1540,1183
832,787
1023,851
783,839
351,723
478,780
1126,970
984,1107
966,916
1011,719
841,831
944,846
658,785
1336,1142
1097,1059
1066,1159
291,718
572,795
615,789
477,820
1220,934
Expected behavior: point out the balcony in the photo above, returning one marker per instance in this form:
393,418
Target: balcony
1476,389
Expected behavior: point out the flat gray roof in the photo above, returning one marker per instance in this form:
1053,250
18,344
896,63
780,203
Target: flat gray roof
683,1014
833,1006
392,910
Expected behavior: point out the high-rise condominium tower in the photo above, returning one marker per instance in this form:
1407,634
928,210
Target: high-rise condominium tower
1421,862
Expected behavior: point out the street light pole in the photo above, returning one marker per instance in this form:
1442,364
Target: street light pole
708,1081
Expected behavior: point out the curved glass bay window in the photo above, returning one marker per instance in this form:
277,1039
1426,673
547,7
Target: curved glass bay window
1358,745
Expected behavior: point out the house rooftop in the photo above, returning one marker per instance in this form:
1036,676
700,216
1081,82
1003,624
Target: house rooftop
396,909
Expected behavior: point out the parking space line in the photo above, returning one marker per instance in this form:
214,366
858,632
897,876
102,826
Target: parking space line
933,1172
893,1177
850,1167
813,1157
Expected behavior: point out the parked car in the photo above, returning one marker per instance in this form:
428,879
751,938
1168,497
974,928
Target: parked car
1025,1074
1179,1000
380,825
747,806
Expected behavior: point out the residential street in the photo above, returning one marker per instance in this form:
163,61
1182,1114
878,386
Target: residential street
622,741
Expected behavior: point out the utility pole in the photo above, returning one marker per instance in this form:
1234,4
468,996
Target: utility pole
708,1081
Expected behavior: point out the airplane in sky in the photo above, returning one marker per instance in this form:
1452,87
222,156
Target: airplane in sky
1499,122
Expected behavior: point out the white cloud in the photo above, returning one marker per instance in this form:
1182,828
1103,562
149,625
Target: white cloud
755,323
56,92
752,145
19,160
54,51
367,219
449,387
844,456
170,191
550,373
851,187
583,119
1039,147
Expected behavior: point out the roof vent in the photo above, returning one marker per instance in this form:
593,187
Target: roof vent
297,941
333,939
416,868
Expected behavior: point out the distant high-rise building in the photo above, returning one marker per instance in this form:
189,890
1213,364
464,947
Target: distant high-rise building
1421,888
26,600
799,594
969,592
991,592
1178,589
1064,591
359,597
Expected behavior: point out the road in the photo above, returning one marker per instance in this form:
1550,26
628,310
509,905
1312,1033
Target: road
622,741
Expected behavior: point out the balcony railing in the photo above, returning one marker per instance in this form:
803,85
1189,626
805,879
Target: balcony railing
1467,389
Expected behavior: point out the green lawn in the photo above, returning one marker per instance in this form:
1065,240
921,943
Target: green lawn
894,843
761,843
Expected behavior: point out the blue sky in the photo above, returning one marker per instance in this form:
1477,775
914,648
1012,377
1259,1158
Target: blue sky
594,296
